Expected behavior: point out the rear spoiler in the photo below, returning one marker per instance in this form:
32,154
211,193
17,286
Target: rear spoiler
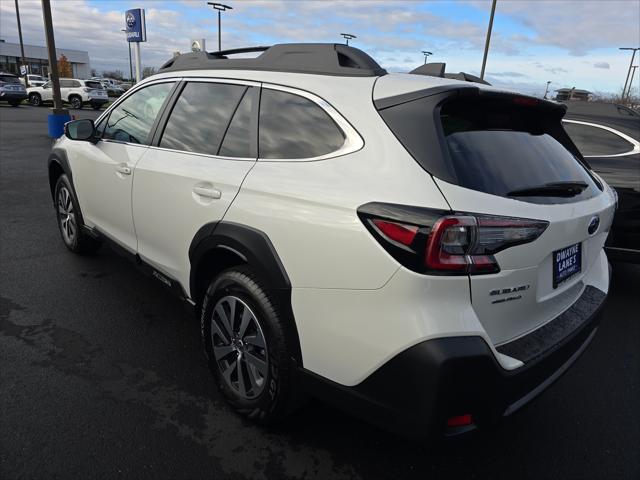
473,92
437,70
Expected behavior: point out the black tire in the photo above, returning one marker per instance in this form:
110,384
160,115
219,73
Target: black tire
76,102
96,106
70,223
35,99
14,103
278,396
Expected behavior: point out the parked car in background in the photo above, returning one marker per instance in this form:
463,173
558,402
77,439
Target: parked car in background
74,91
126,85
11,90
608,136
34,80
111,86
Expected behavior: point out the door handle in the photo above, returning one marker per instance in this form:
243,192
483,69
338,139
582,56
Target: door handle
123,169
207,192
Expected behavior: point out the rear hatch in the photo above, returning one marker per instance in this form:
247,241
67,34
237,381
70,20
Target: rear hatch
540,217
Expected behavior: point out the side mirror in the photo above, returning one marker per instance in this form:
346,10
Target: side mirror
83,130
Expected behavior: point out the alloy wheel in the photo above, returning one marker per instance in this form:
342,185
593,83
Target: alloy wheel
239,347
66,216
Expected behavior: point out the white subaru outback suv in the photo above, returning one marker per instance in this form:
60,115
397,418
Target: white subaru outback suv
73,91
423,252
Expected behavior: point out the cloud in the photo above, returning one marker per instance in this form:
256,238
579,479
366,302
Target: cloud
507,74
602,65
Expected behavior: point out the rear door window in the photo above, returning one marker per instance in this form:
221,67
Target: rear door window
239,141
201,116
292,126
595,141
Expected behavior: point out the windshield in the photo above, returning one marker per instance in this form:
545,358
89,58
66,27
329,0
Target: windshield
9,79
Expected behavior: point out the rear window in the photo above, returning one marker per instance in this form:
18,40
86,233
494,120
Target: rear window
97,85
490,146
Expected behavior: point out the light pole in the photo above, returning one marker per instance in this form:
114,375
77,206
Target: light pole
22,62
426,54
130,63
547,89
486,44
348,36
633,71
220,7
624,89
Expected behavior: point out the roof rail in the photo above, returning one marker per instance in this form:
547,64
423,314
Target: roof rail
313,58
437,70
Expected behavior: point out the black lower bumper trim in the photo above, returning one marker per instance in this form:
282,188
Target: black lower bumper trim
416,391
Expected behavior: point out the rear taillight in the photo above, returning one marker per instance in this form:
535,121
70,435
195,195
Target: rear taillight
445,243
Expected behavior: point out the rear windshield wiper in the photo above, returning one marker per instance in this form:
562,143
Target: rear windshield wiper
552,189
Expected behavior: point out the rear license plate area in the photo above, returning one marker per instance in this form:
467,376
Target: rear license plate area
567,262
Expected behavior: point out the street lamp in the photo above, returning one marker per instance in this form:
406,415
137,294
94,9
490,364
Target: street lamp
547,89
486,44
624,89
130,63
348,36
426,54
633,71
220,7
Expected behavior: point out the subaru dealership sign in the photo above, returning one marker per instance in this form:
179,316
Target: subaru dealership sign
136,28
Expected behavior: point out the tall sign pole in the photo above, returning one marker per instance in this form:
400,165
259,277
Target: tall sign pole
53,61
22,60
136,32
59,116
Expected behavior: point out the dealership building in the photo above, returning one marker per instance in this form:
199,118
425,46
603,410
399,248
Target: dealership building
38,61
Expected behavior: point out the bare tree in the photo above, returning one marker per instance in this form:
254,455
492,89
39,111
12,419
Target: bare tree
115,74
148,71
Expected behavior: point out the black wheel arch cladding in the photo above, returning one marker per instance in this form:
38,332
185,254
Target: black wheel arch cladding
252,247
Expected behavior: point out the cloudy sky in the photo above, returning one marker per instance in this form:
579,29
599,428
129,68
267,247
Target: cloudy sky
569,42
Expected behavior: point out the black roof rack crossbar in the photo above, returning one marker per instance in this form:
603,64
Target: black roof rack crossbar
314,58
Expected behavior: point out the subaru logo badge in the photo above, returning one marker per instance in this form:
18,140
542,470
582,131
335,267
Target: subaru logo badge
594,223
131,20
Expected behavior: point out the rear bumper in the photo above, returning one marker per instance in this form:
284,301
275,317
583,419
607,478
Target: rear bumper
97,101
415,392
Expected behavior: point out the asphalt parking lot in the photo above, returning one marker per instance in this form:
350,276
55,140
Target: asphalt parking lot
102,376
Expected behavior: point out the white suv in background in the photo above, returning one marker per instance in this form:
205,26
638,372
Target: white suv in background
73,91
34,80
423,252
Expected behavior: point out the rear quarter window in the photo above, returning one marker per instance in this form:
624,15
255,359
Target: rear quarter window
292,126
